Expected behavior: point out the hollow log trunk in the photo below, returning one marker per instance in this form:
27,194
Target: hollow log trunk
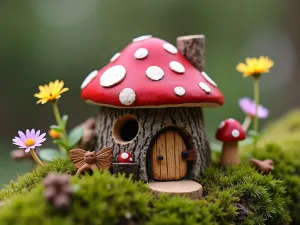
188,122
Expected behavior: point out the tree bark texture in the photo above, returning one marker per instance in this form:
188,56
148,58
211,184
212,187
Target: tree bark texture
192,47
187,120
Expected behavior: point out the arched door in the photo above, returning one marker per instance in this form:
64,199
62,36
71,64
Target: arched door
166,158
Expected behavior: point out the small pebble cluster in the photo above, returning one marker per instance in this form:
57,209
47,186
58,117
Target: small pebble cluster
58,190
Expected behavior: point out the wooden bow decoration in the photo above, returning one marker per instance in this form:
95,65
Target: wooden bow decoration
90,161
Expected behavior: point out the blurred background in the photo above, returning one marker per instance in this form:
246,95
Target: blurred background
41,41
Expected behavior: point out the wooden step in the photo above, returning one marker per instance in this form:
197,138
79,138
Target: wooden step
187,188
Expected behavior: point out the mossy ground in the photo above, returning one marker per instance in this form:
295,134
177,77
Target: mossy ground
27,182
282,144
106,199
238,195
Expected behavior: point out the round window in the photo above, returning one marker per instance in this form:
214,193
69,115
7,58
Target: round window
125,129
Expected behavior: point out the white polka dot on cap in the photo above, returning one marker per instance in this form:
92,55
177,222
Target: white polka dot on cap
127,96
141,53
170,48
222,124
211,81
112,76
235,133
124,155
177,67
180,91
88,79
115,57
141,38
205,87
155,73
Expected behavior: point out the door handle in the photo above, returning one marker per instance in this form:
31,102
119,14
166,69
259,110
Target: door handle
160,157
189,155
185,154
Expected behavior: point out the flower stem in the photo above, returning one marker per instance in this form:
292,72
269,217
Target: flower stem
247,123
36,158
59,123
56,113
255,122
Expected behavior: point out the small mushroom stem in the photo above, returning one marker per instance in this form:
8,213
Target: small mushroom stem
192,48
230,154
247,123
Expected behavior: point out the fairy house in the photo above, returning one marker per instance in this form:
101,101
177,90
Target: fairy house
151,96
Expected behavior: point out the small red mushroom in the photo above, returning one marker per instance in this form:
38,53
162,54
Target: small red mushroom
150,72
230,132
125,157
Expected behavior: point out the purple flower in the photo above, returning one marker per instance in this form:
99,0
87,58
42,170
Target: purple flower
29,140
248,106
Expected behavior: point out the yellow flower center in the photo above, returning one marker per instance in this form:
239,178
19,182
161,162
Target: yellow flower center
29,142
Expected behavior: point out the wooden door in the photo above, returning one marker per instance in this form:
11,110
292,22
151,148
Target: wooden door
166,159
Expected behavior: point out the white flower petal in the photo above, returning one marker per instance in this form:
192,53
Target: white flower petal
37,134
40,137
22,135
28,134
32,133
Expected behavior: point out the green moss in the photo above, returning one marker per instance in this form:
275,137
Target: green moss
282,144
98,199
178,211
262,197
30,180
106,199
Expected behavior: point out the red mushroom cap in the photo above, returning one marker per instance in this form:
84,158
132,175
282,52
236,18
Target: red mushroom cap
125,157
150,72
230,130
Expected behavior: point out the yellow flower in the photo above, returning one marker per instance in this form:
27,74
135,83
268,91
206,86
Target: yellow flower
50,92
255,66
54,134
